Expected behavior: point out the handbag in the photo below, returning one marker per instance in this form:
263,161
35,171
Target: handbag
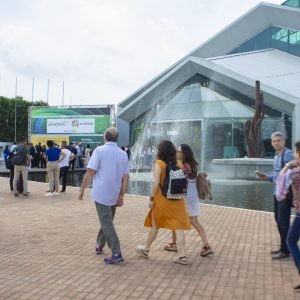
203,186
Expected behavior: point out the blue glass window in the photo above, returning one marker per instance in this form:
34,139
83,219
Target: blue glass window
292,3
280,38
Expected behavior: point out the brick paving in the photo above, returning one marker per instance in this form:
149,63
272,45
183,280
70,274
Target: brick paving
47,252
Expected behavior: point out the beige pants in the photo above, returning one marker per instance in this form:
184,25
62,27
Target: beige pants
53,174
18,171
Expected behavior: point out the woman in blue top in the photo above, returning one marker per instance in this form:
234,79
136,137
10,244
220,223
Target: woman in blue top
53,156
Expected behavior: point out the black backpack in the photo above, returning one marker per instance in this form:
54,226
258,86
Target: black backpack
20,159
175,183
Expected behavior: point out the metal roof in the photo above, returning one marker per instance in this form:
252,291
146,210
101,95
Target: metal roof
276,69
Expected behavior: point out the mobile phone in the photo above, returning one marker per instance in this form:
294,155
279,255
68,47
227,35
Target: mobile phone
259,174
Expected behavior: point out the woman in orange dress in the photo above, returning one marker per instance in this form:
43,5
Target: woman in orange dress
165,213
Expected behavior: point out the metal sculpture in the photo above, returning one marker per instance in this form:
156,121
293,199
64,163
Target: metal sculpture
252,128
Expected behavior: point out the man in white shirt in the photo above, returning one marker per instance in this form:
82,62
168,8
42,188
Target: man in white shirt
64,165
109,169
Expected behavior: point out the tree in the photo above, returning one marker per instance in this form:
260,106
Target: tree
7,117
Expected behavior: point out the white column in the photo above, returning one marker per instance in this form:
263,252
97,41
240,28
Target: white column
296,123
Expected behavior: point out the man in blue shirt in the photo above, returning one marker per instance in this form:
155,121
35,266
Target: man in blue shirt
282,209
108,167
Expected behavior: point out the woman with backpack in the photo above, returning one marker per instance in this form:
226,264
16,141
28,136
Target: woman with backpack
190,167
165,213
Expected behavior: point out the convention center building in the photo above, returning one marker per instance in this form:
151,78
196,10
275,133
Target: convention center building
205,98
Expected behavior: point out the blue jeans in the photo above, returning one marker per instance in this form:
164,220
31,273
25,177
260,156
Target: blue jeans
282,213
292,240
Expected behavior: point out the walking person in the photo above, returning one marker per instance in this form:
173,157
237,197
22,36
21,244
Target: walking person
165,213
190,167
65,164
6,153
21,162
73,161
87,153
290,178
282,209
53,156
108,167
79,155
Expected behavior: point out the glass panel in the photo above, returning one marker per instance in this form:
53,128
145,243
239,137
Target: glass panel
262,40
248,46
283,39
294,42
235,51
279,38
292,3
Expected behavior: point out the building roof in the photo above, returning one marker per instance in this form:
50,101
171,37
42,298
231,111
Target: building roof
239,31
273,68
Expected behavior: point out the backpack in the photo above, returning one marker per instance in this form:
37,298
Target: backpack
175,183
203,186
20,159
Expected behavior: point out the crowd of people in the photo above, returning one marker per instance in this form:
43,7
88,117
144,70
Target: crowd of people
179,215
22,156
108,167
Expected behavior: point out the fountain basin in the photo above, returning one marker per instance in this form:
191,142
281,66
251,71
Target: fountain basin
240,167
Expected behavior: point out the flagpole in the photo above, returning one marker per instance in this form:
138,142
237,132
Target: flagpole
16,92
32,93
63,93
48,91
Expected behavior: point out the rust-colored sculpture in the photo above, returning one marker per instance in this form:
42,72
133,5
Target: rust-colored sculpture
252,128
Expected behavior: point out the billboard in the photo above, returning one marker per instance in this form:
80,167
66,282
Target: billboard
85,124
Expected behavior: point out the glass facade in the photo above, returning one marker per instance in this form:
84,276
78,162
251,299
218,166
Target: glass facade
292,3
207,116
280,38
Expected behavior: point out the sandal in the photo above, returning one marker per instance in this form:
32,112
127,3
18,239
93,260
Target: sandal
171,247
206,250
182,260
141,251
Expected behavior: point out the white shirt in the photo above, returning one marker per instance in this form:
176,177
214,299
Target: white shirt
110,164
65,161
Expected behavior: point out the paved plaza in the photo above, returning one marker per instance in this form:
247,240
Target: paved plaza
47,252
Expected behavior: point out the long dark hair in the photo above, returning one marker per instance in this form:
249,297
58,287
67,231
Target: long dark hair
167,152
297,145
188,157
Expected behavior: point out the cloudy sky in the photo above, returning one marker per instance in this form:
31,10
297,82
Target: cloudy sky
103,50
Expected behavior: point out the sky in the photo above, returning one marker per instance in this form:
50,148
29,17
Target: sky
101,51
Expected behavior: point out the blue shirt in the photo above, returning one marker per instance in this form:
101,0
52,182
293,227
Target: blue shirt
110,164
53,153
277,164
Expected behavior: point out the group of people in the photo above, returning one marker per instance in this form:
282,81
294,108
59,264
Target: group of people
57,160
108,167
109,170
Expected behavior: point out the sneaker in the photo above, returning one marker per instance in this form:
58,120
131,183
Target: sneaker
62,191
141,251
56,193
280,255
182,260
49,194
275,251
16,194
99,250
25,195
114,259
